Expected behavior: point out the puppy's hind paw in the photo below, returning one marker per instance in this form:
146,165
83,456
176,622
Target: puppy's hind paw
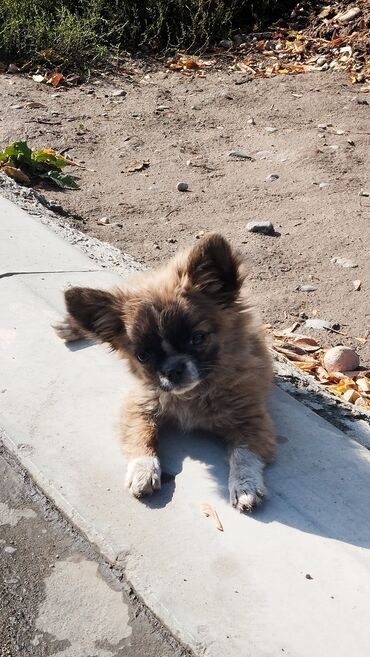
246,486
143,475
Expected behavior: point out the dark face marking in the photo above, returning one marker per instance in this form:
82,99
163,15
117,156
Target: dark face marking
174,344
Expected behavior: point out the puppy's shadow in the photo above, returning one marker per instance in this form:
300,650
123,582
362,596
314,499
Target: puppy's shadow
320,483
78,345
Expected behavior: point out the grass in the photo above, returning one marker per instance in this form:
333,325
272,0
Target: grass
77,33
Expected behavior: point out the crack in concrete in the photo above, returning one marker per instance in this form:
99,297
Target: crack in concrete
57,271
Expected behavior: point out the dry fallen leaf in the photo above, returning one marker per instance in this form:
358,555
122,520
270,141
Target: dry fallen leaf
16,174
294,353
208,510
55,79
341,387
307,367
363,384
291,329
138,165
351,395
39,78
306,343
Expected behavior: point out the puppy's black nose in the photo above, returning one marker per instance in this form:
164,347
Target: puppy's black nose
174,371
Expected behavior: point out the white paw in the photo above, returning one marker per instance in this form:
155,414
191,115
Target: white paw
143,475
67,331
246,485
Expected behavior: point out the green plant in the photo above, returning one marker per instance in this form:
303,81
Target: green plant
22,164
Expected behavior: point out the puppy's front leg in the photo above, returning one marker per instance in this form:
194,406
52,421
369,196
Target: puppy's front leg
251,449
140,442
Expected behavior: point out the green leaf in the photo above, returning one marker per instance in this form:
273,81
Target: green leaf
48,156
16,154
63,180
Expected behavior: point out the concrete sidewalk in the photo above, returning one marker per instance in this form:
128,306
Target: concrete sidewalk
290,579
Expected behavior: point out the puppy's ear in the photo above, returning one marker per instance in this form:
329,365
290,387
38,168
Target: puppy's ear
98,312
215,269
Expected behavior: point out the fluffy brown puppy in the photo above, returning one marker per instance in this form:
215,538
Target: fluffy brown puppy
190,336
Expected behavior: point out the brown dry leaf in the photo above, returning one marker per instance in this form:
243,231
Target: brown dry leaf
339,376
185,63
209,511
294,353
267,327
306,343
16,174
357,284
342,386
307,367
138,165
55,79
322,375
351,395
363,384
290,329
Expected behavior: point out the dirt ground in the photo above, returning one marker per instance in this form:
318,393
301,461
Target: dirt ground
185,127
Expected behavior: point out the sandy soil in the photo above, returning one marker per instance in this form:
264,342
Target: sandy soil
185,127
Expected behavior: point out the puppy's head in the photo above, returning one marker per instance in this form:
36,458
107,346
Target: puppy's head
170,325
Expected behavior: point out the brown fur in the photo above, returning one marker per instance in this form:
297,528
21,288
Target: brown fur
207,285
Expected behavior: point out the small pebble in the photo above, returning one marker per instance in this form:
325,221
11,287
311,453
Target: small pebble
319,324
226,43
195,107
322,126
242,154
341,359
162,108
9,549
103,221
251,121
270,130
323,184
263,227
344,262
228,96
118,92
272,177
307,288
321,61
13,68
262,155
362,101
182,186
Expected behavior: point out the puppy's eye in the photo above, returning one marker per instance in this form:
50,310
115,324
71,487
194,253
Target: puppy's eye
197,338
143,356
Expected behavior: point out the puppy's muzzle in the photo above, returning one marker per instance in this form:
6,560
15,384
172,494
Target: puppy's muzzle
178,372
